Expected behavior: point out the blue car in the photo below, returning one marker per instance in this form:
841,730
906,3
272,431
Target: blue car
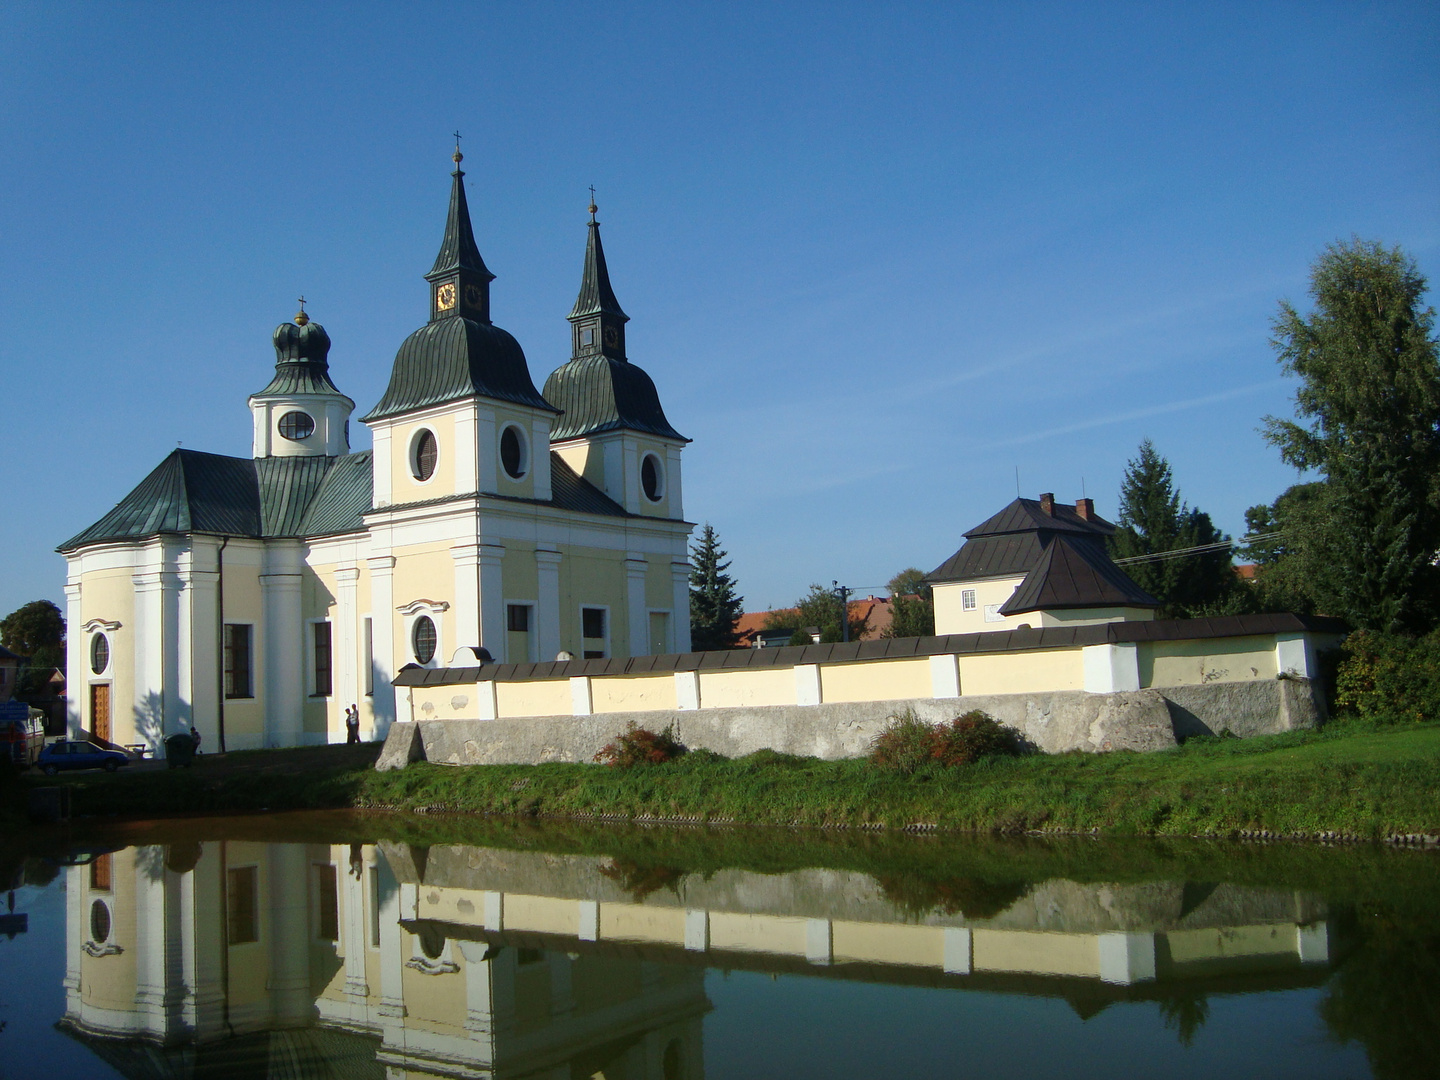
66,754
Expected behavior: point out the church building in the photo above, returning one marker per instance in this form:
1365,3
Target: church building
258,598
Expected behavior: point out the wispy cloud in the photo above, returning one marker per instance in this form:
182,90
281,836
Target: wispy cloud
1144,413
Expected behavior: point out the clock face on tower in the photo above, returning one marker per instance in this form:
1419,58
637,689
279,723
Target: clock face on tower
445,296
473,295
612,336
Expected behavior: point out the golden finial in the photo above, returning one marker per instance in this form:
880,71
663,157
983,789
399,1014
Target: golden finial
593,207
300,317
457,157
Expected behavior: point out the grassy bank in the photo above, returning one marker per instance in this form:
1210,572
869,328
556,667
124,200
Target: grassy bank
1362,782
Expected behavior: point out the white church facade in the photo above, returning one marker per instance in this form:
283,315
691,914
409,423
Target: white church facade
258,598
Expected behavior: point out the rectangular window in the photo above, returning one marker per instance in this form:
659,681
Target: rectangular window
100,872
369,657
322,659
517,618
237,661
242,895
967,599
592,622
327,896
587,336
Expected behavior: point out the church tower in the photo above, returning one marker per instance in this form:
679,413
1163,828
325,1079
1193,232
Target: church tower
613,431
301,413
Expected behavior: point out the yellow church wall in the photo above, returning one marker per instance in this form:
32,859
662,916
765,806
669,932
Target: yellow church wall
538,457
1020,673
781,934
548,697
404,488
432,1001
245,717
109,595
593,577
645,446
755,686
876,680
1038,953
883,943
1221,943
110,981
1187,663
633,693
542,914
639,922
579,457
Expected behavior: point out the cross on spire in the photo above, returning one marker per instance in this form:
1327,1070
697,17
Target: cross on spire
593,207
300,317
458,157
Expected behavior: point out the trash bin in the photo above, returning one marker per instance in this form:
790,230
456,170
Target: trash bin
179,750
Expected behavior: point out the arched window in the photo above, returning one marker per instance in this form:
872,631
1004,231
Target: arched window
652,477
423,638
424,455
99,653
296,425
512,452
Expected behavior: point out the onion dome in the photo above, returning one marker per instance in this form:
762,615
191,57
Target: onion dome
460,353
302,366
598,389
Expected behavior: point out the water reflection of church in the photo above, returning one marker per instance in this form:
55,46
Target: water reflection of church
315,960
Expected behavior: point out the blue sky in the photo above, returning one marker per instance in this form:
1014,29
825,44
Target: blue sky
877,258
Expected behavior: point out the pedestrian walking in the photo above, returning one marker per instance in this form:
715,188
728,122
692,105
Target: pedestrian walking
352,725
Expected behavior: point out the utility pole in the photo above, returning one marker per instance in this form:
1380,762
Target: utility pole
843,593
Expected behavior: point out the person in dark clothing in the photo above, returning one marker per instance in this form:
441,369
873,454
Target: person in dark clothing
352,725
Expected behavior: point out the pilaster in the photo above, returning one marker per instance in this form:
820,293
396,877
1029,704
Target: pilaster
347,644
382,641
680,606
492,600
636,612
75,667
284,646
547,602
291,1002
466,560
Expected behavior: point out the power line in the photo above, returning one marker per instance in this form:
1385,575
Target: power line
1201,549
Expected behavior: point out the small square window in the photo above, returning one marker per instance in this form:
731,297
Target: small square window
517,618
592,621
967,599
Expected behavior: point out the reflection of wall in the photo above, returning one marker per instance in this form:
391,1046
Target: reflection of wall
203,949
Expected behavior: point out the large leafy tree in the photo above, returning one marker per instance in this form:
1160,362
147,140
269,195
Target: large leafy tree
820,607
912,607
1154,519
37,631
1368,408
714,604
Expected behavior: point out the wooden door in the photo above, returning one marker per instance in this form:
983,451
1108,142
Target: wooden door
100,711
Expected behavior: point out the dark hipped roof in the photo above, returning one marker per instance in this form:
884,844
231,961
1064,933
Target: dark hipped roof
255,497
596,296
1075,572
457,358
458,250
1050,637
1013,540
597,393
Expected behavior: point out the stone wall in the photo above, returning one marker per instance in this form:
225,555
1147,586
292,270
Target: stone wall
1053,722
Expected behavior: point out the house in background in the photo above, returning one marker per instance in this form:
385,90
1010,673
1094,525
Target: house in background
874,612
1038,563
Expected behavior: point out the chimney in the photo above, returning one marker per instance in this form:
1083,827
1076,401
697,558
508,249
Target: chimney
1047,503
1086,509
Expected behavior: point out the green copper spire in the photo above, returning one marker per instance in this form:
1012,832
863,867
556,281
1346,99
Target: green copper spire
597,321
459,280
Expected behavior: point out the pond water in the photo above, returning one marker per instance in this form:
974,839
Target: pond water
346,946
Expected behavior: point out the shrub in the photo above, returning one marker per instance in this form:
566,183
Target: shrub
909,742
1389,678
640,746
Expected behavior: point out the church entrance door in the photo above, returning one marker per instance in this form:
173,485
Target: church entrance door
100,711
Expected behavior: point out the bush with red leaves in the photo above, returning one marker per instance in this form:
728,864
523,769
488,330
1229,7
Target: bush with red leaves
909,742
640,746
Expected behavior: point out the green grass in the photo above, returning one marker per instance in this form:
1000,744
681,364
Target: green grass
1358,781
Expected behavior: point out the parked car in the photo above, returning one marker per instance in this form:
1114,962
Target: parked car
68,754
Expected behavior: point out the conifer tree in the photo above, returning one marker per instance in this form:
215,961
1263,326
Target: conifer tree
1154,519
714,605
1369,369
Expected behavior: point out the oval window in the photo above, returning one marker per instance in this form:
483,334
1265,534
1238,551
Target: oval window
297,425
99,922
651,478
512,452
423,637
427,452
99,653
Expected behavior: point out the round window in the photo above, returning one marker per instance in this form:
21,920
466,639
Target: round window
427,452
99,922
652,478
297,425
423,638
99,653
512,452
432,942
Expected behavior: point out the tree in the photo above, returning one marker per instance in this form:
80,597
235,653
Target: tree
36,631
1154,519
714,605
1280,574
1369,400
912,606
819,607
